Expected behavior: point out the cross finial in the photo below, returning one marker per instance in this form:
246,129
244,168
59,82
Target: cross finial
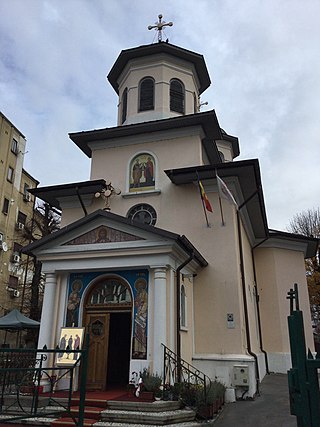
159,27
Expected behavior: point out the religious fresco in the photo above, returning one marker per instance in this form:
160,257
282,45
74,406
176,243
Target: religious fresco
139,347
138,281
103,234
142,173
74,299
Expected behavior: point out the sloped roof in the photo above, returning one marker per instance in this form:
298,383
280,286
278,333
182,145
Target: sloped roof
207,120
152,49
182,241
53,193
248,175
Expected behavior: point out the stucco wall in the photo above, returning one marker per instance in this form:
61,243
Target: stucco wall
277,271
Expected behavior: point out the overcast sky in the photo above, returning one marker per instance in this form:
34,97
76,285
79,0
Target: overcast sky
263,58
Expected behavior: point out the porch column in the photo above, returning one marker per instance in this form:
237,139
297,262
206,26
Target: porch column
47,330
160,317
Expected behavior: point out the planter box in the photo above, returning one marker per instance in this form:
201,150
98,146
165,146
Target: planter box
147,396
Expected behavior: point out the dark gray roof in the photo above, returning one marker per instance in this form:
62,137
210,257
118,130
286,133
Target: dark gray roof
311,242
208,120
182,241
248,174
152,49
51,194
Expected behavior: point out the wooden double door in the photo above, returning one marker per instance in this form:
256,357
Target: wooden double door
109,348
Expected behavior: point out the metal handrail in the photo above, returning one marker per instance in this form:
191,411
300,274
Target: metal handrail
176,370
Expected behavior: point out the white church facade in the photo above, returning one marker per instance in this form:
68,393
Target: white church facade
137,262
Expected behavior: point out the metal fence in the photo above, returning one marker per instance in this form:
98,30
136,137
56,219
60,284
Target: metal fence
30,388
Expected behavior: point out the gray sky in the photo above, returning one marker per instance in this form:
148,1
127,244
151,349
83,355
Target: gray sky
263,58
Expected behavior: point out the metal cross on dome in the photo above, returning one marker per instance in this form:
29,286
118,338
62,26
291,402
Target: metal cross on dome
159,26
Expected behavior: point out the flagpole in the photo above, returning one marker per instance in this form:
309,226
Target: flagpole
221,212
220,203
203,205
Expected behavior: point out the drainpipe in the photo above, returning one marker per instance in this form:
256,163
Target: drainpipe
258,306
178,349
245,303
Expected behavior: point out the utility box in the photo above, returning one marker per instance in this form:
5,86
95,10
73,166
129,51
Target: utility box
241,375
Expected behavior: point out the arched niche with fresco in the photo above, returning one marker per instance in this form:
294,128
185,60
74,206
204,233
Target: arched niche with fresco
142,173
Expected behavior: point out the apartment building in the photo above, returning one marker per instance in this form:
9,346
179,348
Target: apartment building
17,206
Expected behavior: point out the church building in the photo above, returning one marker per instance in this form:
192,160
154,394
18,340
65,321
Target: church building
143,263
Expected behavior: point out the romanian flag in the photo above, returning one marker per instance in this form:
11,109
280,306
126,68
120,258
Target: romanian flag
205,198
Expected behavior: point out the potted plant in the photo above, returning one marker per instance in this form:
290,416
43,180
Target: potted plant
210,402
151,384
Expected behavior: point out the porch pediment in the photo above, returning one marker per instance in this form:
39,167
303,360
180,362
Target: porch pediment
104,236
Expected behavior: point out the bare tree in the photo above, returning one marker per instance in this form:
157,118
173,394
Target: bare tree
307,223
45,220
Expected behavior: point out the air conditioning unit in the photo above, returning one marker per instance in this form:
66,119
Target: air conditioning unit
15,258
27,197
19,226
16,293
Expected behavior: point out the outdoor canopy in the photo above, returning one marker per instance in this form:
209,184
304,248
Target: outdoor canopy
16,320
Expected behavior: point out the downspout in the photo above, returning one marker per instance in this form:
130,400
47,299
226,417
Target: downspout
245,303
81,202
178,349
258,306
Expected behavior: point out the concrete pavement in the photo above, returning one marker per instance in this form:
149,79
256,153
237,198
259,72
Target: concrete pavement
270,409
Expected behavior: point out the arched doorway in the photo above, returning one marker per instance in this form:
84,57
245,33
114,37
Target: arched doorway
108,317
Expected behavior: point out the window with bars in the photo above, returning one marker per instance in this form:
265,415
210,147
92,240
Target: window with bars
10,174
5,206
14,146
22,218
176,96
13,282
146,94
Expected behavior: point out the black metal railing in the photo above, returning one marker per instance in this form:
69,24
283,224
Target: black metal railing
29,388
178,371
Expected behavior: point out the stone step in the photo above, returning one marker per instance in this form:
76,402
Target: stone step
148,418
183,424
157,406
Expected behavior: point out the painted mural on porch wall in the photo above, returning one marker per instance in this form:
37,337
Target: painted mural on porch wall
115,291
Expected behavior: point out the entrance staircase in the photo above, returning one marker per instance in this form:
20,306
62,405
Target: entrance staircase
118,413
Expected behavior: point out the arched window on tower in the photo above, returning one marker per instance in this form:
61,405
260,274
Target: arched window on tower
146,94
124,105
176,96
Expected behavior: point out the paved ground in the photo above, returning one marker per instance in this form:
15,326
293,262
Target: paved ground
271,409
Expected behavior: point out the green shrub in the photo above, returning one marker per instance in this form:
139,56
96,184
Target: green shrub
151,382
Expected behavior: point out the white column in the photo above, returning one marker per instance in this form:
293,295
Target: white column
47,330
160,317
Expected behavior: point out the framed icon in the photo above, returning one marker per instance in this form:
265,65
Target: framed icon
70,339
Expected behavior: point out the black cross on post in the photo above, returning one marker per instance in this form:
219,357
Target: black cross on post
159,26
293,296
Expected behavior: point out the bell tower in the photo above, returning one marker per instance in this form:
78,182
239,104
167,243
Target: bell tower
158,81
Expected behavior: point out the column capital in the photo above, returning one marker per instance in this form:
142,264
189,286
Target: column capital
50,278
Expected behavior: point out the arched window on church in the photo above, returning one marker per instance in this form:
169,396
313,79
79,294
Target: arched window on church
177,96
142,173
124,105
183,314
146,94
